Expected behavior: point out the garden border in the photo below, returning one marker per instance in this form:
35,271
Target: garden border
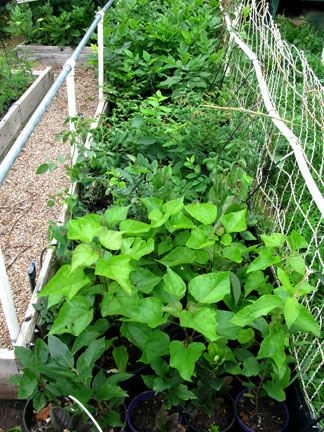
21,111
52,54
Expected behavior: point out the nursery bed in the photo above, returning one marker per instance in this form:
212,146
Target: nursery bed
23,194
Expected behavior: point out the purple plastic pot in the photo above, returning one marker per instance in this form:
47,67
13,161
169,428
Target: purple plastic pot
150,394
281,405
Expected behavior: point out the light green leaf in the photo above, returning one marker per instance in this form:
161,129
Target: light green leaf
265,259
74,317
273,240
120,355
273,346
298,264
133,227
157,345
144,280
157,218
251,367
180,221
199,239
150,312
83,229
152,203
111,240
234,221
118,269
225,327
138,248
263,306
284,279
203,321
296,241
184,358
205,213
115,215
254,280
65,282
232,253
173,206
179,255
305,320
174,284
274,390
210,287
84,255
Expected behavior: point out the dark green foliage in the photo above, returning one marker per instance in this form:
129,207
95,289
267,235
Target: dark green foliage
62,420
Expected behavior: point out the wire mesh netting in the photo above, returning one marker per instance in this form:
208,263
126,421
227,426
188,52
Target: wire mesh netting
281,193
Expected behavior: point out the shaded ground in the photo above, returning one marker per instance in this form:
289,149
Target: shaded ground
11,414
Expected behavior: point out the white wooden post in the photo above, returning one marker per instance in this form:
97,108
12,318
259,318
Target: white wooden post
7,302
71,92
100,57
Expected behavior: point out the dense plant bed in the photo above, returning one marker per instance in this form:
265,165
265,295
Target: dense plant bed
161,235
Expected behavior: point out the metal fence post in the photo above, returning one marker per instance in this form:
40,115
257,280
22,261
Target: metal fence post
71,92
100,56
7,302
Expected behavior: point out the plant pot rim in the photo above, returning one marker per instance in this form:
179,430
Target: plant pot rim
149,394
228,428
282,405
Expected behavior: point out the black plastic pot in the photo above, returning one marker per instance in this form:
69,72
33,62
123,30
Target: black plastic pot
281,406
27,415
227,429
150,394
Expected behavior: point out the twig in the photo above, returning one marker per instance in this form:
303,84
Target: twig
18,254
246,111
15,223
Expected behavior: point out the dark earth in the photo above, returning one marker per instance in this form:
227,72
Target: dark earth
11,414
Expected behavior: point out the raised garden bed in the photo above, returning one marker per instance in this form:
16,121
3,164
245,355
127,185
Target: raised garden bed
52,54
20,112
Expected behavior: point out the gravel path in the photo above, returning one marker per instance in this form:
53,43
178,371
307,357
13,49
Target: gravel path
24,214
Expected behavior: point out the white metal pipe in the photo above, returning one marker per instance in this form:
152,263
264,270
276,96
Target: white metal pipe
71,93
100,56
7,302
286,132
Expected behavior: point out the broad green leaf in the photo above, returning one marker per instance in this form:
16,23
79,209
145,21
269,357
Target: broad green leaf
120,355
25,356
298,264
135,248
284,279
174,284
225,327
28,385
152,203
273,346
87,359
184,358
60,352
234,221
83,229
118,303
41,351
210,287
74,317
236,287
117,268
173,206
146,140
205,213
133,227
157,218
251,367
179,255
263,306
273,240
232,253
296,241
291,311
226,239
137,333
144,280
199,239
150,312
305,320
65,282
180,221
274,390
109,391
254,280
246,336
84,255
157,345
115,215
203,321
265,259
111,240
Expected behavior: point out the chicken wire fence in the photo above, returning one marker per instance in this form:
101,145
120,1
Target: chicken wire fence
271,80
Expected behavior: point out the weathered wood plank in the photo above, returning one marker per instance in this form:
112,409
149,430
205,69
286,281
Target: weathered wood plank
52,54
